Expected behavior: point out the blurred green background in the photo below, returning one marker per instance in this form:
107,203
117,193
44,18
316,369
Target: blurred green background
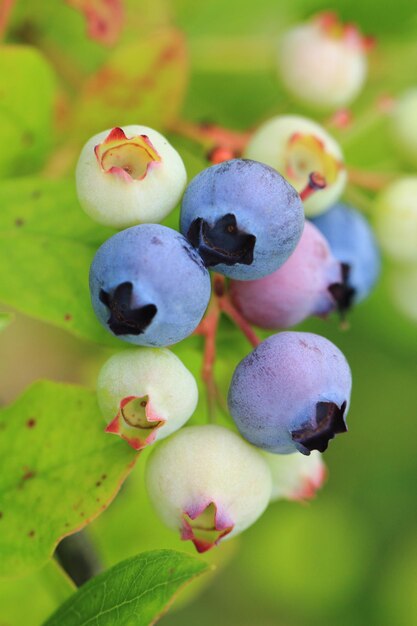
350,556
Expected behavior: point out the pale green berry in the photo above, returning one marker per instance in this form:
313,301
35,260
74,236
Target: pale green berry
297,146
403,287
404,125
296,476
145,394
323,63
207,483
395,220
129,175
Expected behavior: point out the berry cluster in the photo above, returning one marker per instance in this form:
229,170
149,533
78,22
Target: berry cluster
243,218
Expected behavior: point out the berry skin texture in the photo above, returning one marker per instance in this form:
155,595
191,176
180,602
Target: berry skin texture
322,63
395,220
128,176
149,286
297,146
307,284
291,393
145,394
296,476
352,242
244,218
208,484
404,125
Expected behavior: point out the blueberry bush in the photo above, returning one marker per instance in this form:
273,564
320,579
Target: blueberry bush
208,229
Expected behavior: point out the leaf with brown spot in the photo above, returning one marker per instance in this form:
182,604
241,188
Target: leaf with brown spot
44,263
48,474
142,83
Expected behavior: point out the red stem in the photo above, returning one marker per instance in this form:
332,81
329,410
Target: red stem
374,181
208,329
315,182
227,307
210,135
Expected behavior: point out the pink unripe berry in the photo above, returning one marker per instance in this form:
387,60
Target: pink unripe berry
309,283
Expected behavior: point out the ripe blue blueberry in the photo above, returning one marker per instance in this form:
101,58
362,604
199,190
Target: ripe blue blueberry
149,286
352,242
291,393
243,217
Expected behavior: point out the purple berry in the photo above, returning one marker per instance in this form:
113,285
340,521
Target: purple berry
291,393
352,242
243,217
309,283
149,286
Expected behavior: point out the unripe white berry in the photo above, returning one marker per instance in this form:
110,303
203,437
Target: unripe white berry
403,288
208,483
145,394
296,146
395,220
323,63
404,125
296,476
129,175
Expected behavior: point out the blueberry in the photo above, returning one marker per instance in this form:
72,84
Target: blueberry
291,393
322,63
208,484
128,176
395,220
149,286
145,394
309,283
243,217
296,476
352,242
296,146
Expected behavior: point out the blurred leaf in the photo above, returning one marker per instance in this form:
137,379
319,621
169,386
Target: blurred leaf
44,591
58,471
26,110
134,592
60,32
5,319
104,18
46,246
142,82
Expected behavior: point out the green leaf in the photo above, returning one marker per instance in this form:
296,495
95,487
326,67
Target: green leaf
142,81
133,593
44,591
58,471
46,246
27,90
